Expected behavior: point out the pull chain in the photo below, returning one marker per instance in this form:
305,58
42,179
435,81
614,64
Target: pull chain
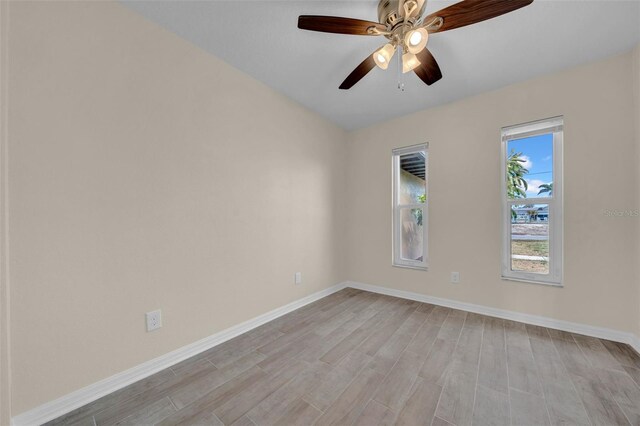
400,83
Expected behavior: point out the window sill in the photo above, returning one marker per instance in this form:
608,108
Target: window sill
532,281
417,268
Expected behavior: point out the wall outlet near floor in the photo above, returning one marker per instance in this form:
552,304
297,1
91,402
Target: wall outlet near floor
455,277
154,320
298,278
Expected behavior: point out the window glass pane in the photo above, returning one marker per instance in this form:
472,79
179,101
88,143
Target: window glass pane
411,234
412,178
530,238
530,167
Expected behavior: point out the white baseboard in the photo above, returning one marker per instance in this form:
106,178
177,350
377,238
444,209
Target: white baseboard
635,343
86,395
588,330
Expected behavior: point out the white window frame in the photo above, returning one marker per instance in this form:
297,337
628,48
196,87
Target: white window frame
397,259
555,126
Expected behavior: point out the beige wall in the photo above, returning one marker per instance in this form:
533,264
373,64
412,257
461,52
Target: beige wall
464,173
5,387
146,173
636,91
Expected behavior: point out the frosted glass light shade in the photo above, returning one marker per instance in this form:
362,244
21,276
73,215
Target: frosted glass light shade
416,40
409,62
383,56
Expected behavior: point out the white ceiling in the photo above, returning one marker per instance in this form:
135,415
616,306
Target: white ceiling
261,38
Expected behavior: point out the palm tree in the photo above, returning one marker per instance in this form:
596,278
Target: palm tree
546,187
516,184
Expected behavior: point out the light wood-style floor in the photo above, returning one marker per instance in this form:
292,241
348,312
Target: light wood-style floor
366,359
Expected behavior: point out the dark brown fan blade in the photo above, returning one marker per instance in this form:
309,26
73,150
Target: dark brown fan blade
428,71
469,12
337,25
357,74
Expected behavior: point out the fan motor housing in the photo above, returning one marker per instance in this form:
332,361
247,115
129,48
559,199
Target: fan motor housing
388,12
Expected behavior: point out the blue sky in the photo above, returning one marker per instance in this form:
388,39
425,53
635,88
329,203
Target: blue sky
538,151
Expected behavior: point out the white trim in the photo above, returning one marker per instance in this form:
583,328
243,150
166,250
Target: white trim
396,259
552,124
555,203
635,343
572,327
70,402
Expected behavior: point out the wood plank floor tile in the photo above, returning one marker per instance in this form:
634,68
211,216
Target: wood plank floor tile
421,404
537,332
624,391
368,359
598,402
634,373
336,380
150,414
494,332
349,405
451,327
474,320
436,366
522,371
240,348
572,356
516,334
299,413
277,404
491,408
527,409
376,414
242,421
426,307
191,366
394,390
284,355
560,335
469,343
397,343
315,351
117,412
424,339
437,421
458,394
245,399
438,315
625,355
596,353
203,384
85,414
493,368
564,404
381,335
550,367
216,397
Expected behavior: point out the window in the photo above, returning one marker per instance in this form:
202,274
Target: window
410,201
532,202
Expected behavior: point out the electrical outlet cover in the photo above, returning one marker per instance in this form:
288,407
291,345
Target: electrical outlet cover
154,320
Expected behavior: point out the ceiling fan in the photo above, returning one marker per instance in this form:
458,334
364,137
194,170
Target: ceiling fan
402,24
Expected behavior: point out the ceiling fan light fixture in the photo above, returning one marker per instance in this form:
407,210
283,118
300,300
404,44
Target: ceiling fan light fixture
383,56
416,40
409,62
